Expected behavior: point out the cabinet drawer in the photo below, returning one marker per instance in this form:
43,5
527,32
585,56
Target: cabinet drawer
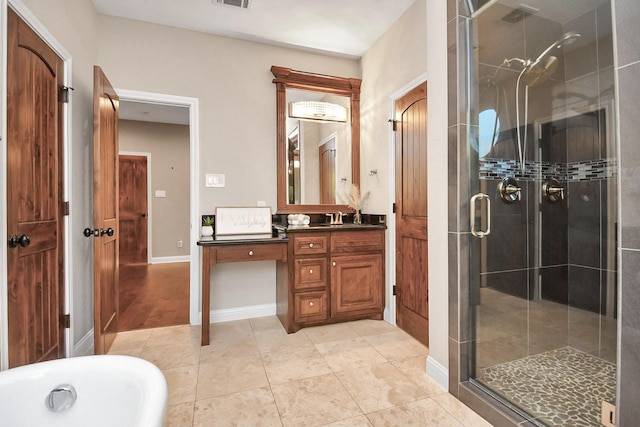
259,252
310,307
357,241
309,244
310,273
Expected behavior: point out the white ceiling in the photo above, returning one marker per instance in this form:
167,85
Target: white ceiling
339,27
335,27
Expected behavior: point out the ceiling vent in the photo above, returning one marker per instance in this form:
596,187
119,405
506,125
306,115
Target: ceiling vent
244,4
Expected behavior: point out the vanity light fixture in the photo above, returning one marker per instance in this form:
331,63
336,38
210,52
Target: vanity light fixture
317,110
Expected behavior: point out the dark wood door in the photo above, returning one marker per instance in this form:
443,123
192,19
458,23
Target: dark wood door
327,155
105,211
34,197
412,295
132,235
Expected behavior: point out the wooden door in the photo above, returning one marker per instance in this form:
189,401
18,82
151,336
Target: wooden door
327,155
412,295
34,197
105,211
133,222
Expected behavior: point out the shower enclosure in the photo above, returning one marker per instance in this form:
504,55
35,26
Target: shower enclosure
542,291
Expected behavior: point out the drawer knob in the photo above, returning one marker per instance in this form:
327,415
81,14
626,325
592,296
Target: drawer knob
310,245
334,263
250,253
310,303
310,271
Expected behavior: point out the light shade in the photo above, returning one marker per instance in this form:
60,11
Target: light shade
318,110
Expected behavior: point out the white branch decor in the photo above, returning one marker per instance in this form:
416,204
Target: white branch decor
356,202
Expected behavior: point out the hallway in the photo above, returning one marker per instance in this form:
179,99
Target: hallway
153,295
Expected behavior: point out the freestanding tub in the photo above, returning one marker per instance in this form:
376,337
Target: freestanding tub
110,391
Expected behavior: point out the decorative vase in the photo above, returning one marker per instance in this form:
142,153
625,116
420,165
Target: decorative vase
357,217
206,231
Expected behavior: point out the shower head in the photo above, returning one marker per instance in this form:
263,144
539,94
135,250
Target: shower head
539,71
544,66
564,40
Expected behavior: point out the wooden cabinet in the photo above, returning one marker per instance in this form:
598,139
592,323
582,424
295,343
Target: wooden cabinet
332,276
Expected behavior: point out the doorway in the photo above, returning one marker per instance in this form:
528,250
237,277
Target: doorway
156,289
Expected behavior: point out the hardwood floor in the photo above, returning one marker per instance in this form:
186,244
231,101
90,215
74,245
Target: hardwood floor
153,295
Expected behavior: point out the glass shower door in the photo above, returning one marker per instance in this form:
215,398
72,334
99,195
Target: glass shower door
543,258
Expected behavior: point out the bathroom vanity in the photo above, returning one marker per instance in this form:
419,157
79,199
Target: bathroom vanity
334,273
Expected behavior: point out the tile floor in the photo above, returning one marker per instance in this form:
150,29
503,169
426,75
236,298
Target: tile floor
363,373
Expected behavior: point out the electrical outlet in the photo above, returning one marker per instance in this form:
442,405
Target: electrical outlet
179,243
608,414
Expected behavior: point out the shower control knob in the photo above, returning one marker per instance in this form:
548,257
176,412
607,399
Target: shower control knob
552,191
509,190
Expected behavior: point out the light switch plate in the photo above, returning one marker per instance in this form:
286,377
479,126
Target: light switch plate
214,180
161,193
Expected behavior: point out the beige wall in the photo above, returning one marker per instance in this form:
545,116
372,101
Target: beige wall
233,84
168,146
409,50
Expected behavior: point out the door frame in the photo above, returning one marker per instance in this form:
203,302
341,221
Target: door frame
194,185
390,306
25,14
149,195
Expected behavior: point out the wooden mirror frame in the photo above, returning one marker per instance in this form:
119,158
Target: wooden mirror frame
286,78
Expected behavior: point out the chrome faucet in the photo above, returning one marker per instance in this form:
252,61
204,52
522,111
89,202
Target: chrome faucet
336,219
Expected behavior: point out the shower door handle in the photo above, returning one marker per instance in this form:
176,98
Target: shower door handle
472,215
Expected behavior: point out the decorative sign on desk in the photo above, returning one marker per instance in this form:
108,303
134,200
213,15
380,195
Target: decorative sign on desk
243,223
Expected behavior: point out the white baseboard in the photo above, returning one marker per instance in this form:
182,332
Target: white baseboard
437,372
240,313
84,347
169,259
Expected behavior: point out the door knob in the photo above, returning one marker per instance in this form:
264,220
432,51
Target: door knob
109,232
90,232
23,241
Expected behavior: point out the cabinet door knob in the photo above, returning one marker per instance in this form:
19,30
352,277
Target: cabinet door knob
250,253
310,245
310,271
310,303
334,263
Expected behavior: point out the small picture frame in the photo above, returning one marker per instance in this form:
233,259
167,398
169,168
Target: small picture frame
243,223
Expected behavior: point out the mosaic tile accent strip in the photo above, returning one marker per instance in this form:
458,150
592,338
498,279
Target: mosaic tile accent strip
591,170
563,387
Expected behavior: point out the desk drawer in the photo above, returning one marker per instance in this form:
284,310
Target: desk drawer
259,252
309,244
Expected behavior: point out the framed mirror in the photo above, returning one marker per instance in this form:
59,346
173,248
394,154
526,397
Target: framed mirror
318,140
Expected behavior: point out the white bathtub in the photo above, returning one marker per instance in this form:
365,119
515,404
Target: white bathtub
112,391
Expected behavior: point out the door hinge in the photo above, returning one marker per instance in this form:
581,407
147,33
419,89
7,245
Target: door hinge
64,93
393,208
394,123
67,321
65,209
394,290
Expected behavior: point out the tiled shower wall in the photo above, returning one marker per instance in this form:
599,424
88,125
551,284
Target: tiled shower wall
627,17
627,32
